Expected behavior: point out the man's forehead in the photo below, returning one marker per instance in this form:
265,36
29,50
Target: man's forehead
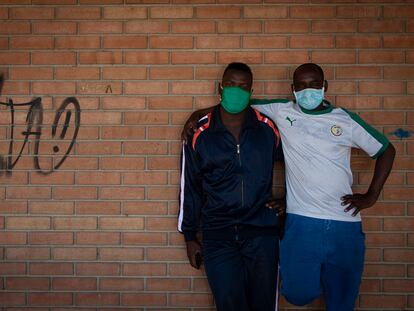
236,75
308,74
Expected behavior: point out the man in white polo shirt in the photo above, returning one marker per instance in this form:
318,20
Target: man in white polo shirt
323,247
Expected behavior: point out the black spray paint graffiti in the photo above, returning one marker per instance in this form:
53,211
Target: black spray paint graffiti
34,125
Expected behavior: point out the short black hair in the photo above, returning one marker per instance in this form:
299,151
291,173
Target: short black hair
311,66
239,67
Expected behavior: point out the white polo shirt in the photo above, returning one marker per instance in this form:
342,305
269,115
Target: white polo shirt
317,151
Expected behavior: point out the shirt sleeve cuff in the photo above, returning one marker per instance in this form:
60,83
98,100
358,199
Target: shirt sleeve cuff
190,235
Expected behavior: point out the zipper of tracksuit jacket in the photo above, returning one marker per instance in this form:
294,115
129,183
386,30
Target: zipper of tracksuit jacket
242,180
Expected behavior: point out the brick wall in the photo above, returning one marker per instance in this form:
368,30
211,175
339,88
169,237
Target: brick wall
100,231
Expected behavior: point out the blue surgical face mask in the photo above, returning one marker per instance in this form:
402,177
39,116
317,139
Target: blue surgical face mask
309,98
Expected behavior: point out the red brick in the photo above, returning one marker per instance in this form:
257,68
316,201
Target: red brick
399,255
247,57
358,11
144,208
199,300
28,192
385,239
28,253
144,238
399,73
76,42
399,285
398,42
197,57
193,27
171,42
384,270
122,13
161,223
101,238
286,26
100,299
282,57
272,12
28,223
124,103
175,73
308,41
121,223
141,118
334,26
77,73
171,12
28,73
330,57
152,57
74,193
377,57
350,42
170,284
161,163
97,269
312,12
121,254
100,27
385,301
100,57
72,253
122,163
12,298
49,299
144,269
52,268
75,223
166,254
97,208
125,42
380,25
53,58
15,58
146,27
218,12
123,284
46,88
31,13
31,43
132,193
401,11
54,27
10,28
239,26
91,178
397,102
146,88
264,42
74,283
358,72
12,268
50,238
381,87
24,283
80,12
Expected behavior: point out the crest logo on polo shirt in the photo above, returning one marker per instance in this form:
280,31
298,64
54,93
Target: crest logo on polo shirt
336,130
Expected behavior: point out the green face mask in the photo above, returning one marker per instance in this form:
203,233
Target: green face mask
234,99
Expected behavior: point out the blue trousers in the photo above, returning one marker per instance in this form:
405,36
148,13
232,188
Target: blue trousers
243,274
320,256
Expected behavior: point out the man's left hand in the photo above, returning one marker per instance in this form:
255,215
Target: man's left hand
358,202
278,204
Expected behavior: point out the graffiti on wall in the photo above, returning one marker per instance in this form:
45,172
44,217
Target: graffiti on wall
34,128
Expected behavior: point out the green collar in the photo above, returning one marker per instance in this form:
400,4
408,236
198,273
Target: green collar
316,112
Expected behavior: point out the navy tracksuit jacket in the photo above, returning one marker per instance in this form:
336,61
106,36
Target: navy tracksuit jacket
224,189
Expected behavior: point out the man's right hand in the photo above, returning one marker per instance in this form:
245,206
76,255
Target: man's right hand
194,253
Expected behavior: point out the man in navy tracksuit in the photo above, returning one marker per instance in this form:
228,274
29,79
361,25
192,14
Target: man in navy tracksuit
226,183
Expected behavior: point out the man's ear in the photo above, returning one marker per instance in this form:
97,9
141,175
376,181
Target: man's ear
220,89
325,84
